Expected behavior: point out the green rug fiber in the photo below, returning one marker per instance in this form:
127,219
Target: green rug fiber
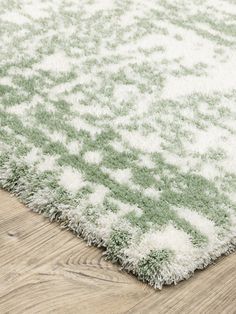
118,119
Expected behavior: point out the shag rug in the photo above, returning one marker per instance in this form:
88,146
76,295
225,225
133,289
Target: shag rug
118,119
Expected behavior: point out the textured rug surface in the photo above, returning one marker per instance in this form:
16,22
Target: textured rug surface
118,119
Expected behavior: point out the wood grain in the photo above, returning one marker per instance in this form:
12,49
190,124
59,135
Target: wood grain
45,269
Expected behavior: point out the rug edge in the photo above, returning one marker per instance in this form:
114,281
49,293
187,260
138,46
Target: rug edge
65,221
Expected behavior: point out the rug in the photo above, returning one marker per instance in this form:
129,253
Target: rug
118,119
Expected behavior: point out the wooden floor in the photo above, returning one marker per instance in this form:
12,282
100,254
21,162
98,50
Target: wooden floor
44,269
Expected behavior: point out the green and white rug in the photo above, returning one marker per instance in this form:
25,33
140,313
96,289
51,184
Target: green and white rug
118,119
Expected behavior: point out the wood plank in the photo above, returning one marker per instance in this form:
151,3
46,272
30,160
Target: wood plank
45,269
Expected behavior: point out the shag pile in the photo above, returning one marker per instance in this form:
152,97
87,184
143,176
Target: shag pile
118,119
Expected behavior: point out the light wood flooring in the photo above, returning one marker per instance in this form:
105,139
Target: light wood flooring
44,269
